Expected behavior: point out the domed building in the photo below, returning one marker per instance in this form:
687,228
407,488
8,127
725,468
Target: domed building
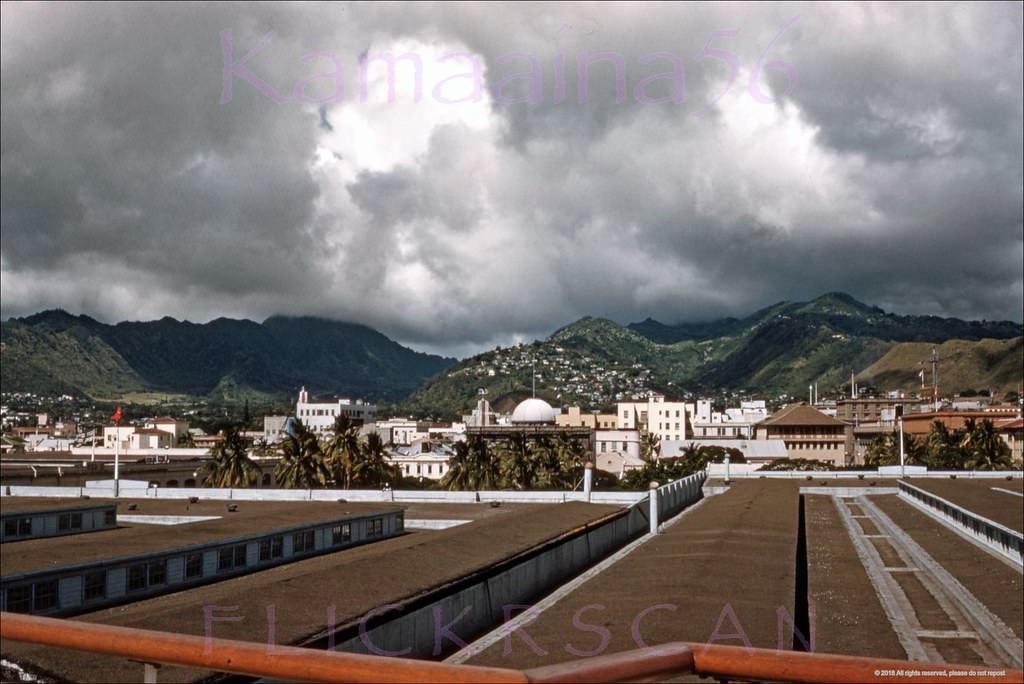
534,411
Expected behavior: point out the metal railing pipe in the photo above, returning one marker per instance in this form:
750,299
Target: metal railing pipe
649,664
761,664
240,657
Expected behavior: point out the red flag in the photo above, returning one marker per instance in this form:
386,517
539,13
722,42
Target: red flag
117,415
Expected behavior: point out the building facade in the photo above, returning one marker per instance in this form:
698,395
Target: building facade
664,419
809,434
319,416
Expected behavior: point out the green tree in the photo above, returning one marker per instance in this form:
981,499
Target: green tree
373,468
302,462
474,466
519,464
231,465
983,448
650,447
884,450
942,448
460,469
343,452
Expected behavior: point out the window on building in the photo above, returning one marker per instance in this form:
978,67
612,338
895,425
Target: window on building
110,517
302,542
271,548
44,595
94,586
19,599
69,521
24,527
340,534
193,566
137,577
157,573
375,527
231,557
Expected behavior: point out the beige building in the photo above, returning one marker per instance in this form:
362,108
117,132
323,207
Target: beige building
575,417
809,434
859,411
664,419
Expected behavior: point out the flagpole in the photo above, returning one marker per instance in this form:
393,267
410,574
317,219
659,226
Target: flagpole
117,451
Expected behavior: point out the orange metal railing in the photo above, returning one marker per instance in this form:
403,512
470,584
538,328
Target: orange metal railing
309,665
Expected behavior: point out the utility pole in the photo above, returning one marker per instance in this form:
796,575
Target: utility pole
899,417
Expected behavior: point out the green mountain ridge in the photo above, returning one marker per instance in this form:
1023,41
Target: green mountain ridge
594,362
54,351
776,351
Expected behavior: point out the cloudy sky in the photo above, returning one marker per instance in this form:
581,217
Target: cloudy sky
523,165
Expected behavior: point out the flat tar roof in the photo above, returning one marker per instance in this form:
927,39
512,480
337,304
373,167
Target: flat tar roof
130,539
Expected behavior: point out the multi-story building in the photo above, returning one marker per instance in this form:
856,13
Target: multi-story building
625,442
319,416
275,428
575,417
857,411
664,419
423,460
707,423
809,434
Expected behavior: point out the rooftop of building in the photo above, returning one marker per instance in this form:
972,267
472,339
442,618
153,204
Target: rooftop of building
798,415
133,538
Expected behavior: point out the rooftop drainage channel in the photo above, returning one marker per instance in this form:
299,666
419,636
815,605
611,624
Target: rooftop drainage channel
801,611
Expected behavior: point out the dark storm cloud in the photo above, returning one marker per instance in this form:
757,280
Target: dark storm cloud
874,149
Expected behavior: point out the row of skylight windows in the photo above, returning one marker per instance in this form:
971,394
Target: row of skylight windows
43,595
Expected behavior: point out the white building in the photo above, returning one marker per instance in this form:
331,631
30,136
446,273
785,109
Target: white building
758,451
422,461
481,416
664,419
117,436
734,422
618,464
625,442
176,428
151,438
319,417
275,428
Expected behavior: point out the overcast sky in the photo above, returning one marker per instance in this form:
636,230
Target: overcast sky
248,160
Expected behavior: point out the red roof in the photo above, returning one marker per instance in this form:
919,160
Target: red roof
801,414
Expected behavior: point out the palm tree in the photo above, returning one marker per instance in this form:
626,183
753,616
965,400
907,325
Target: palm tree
474,466
984,449
460,469
650,447
302,464
881,452
943,447
373,467
519,465
231,465
343,452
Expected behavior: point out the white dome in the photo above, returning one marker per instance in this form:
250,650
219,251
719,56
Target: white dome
534,411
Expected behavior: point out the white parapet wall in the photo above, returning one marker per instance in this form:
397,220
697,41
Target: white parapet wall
140,489
990,534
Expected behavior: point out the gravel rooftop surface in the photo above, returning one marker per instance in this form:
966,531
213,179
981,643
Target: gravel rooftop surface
978,496
353,582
